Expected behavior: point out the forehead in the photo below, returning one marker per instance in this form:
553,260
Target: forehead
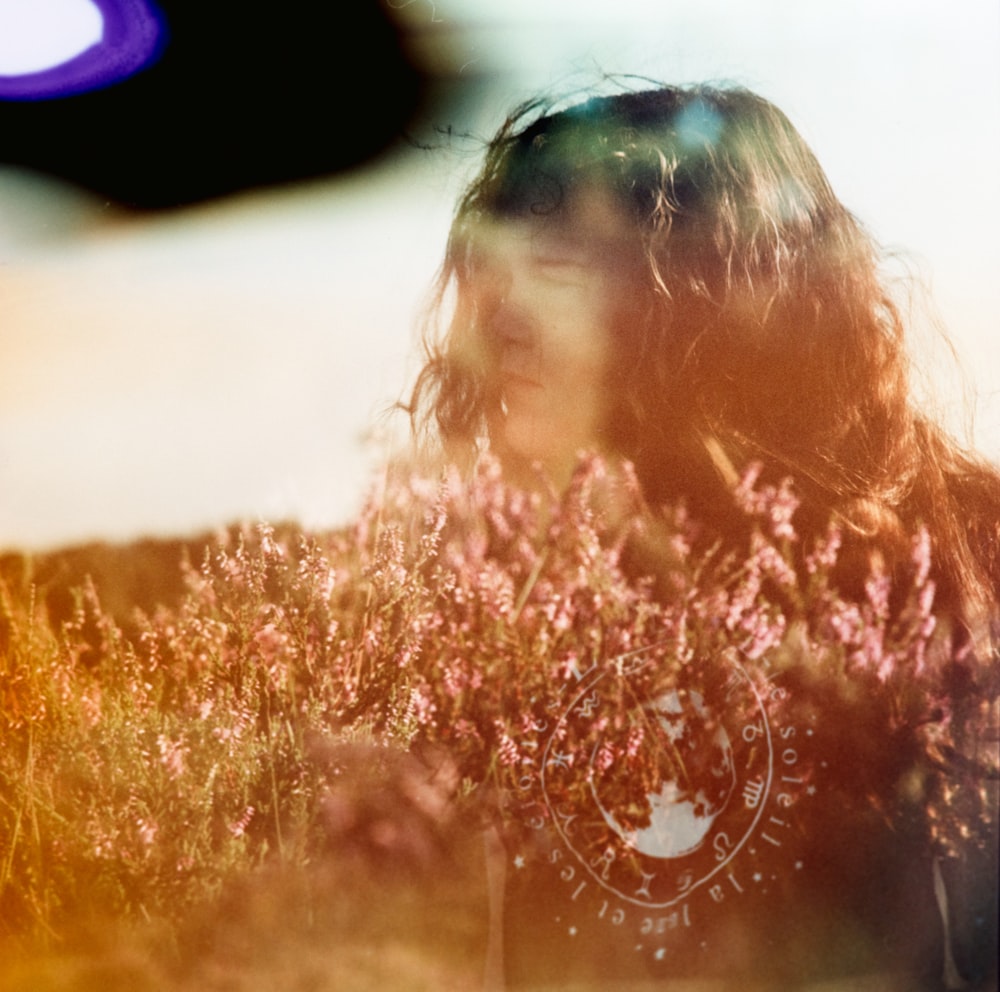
589,222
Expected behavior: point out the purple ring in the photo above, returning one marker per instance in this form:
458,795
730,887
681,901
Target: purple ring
134,37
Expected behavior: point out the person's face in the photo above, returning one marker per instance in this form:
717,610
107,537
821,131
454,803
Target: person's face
551,333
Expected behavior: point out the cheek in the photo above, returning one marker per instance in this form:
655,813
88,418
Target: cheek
578,334
585,370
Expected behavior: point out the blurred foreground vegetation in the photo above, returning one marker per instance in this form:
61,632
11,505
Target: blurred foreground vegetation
178,810
221,761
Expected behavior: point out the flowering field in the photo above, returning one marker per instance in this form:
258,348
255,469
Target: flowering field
278,777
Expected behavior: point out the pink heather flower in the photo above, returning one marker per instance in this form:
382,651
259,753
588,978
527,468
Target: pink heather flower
422,706
777,505
633,742
824,557
605,758
782,508
269,547
877,587
765,633
922,556
466,729
436,647
172,754
496,591
455,680
886,666
746,496
559,614
871,653
569,666
744,597
845,621
278,673
507,753
90,700
771,562
349,691
238,828
269,641
529,725
147,830
925,603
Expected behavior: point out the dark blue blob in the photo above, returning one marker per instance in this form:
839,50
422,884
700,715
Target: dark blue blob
134,37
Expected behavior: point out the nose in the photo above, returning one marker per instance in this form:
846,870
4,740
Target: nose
512,325
513,321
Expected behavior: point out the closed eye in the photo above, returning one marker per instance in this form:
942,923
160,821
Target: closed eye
562,267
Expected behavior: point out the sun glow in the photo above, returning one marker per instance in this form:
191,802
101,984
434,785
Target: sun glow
58,48
36,35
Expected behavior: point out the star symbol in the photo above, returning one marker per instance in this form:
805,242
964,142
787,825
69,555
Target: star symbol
572,931
811,790
758,877
798,865
519,861
660,954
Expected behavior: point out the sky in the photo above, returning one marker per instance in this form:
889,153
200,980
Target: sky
165,375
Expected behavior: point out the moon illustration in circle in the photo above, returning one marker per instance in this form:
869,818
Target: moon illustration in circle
680,822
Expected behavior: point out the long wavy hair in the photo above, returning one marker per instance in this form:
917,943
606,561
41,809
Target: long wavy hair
756,326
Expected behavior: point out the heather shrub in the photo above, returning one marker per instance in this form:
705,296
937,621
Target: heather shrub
360,699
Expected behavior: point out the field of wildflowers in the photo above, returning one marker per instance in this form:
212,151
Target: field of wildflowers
277,779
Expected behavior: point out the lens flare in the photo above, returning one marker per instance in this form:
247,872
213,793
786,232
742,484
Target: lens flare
41,36
698,126
58,48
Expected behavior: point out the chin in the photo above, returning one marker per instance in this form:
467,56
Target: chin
522,461
524,440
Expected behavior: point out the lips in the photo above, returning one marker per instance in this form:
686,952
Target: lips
513,377
523,397
519,365
520,391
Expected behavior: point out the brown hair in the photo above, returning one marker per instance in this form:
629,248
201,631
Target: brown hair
757,328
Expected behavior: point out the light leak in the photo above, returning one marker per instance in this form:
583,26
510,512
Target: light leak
56,48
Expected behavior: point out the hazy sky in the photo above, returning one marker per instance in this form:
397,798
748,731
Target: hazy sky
170,374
